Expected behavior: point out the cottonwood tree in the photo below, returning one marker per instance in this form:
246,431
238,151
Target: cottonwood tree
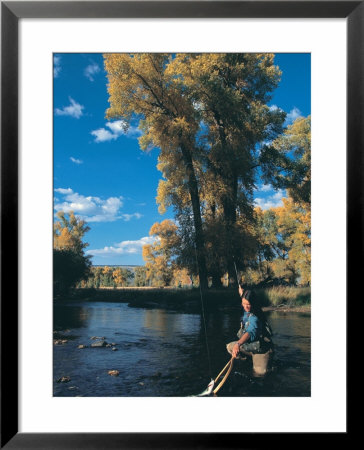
140,276
159,256
230,92
294,227
287,161
141,87
70,265
284,253
122,277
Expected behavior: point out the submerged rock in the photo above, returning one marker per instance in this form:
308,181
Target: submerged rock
98,337
64,379
82,346
114,349
60,341
99,344
113,373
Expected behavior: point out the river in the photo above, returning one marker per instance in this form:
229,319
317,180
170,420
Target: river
159,352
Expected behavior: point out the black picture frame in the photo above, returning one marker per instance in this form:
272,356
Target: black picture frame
11,12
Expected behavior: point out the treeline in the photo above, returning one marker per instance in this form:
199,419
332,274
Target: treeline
114,277
107,276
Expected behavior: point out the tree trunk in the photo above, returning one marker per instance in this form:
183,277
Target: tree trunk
229,202
216,281
229,206
195,200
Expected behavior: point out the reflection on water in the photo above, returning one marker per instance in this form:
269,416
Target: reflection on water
166,325
163,353
75,317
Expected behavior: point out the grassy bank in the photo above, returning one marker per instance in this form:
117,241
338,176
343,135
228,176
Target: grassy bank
288,296
190,299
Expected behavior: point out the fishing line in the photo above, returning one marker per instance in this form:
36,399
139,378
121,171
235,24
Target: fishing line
204,321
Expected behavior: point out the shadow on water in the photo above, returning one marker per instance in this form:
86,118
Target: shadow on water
164,353
73,317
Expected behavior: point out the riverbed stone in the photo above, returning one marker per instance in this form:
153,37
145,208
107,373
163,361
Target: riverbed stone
82,346
114,349
60,341
65,379
99,344
113,373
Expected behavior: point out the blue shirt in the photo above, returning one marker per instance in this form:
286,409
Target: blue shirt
252,325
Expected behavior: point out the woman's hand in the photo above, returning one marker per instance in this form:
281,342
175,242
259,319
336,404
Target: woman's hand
236,350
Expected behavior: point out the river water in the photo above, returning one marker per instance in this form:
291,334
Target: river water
164,353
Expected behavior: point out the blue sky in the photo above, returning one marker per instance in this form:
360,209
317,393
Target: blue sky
100,172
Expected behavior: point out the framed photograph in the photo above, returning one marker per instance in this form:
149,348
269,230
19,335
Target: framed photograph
52,56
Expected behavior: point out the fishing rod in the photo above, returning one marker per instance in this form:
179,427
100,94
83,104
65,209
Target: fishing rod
227,369
211,389
225,372
237,276
204,321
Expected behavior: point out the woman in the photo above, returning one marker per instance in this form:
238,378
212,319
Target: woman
254,335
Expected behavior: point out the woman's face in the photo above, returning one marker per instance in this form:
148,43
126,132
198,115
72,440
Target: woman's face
246,305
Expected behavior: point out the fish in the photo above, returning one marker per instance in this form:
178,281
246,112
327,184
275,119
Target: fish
208,390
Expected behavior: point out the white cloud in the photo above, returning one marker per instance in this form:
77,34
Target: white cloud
278,195
91,70
76,161
56,66
270,201
64,191
265,188
92,209
73,110
124,247
116,129
102,135
294,114
274,108
128,217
